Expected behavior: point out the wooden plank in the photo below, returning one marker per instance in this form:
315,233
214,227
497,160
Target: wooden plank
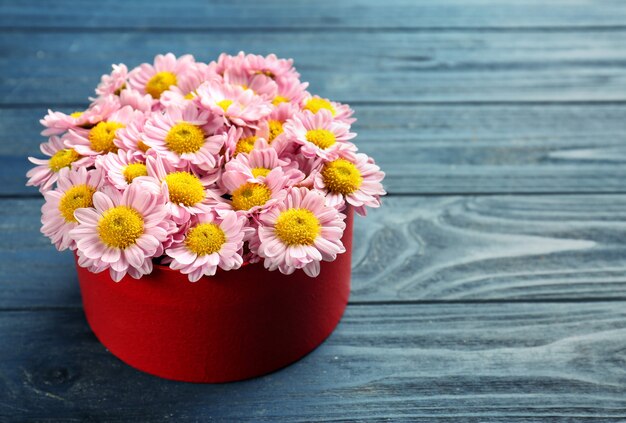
51,69
440,149
413,249
272,14
448,363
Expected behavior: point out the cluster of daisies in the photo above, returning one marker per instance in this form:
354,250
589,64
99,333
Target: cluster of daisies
199,166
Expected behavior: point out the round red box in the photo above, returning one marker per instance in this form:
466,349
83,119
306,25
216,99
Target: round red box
231,326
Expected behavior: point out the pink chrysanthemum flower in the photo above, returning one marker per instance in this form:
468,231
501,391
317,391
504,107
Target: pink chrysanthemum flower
226,61
101,138
340,112
121,232
136,100
167,71
57,122
280,70
75,190
243,140
258,163
260,84
272,128
253,197
185,194
209,243
319,134
185,91
114,82
291,91
175,98
354,179
46,173
239,140
309,167
236,105
131,136
122,168
184,135
299,232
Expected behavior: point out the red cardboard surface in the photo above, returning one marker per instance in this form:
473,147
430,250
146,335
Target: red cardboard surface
232,326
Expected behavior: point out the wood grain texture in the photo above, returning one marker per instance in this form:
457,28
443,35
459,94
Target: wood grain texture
439,149
451,363
51,69
413,249
531,247
188,15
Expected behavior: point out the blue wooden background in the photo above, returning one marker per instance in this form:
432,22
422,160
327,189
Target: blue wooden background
490,287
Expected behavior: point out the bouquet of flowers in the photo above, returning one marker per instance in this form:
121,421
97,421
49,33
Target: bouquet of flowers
199,166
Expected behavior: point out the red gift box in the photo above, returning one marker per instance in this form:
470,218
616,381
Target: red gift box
231,326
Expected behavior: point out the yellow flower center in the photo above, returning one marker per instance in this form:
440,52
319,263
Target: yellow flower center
245,145
120,227
275,129
190,95
76,115
184,188
77,197
342,177
184,138
297,227
260,171
279,99
315,104
134,170
120,89
102,135
63,158
322,138
142,146
160,82
249,195
267,73
225,104
205,238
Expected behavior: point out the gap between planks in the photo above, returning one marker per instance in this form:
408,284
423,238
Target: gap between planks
315,29
36,309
